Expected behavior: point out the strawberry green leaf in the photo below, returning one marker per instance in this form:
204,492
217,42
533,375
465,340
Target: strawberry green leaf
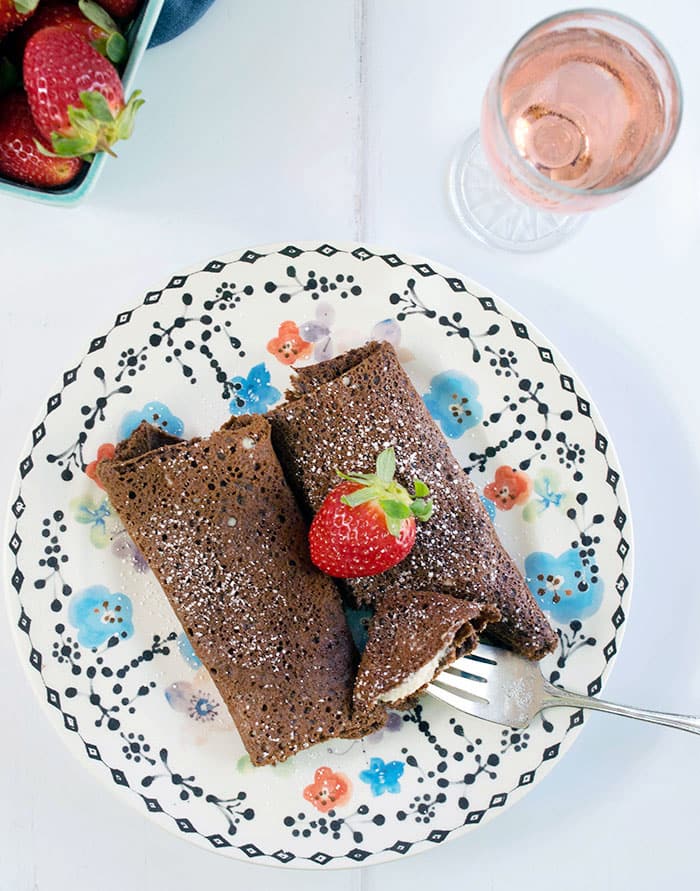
98,16
41,148
94,128
394,526
395,510
125,118
357,477
360,496
82,121
421,490
386,465
97,106
422,509
25,6
70,146
116,48
395,501
100,45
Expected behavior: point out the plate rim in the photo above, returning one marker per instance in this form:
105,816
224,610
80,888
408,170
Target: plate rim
361,252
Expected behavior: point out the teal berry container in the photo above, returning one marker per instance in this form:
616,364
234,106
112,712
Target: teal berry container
138,38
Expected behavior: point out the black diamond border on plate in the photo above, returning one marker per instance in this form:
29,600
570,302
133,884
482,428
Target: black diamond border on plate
456,285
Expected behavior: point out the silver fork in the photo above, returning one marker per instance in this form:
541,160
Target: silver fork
499,686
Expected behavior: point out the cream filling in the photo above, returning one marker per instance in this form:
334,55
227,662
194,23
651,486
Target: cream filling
415,681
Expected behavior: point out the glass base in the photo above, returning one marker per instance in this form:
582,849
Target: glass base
493,215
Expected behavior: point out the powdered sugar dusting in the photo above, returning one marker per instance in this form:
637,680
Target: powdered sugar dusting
220,529
457,551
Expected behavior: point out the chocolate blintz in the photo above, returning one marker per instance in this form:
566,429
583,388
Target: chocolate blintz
220,529
413,636
341,414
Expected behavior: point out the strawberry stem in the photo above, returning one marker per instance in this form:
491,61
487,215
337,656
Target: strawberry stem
395,501
103,146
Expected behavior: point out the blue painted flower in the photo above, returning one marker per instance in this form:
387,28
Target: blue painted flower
490,507
187,651
156,413
563,586
254,394
382,777
198,704
452,401
93,514
98,614
203,707
547,493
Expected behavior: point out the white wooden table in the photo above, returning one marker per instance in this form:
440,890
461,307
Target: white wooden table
315,120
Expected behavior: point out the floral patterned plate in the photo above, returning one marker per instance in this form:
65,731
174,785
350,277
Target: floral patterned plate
104,652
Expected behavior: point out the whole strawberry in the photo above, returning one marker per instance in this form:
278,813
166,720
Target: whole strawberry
75,95
13,13
20,159
367,524
122,9
88,20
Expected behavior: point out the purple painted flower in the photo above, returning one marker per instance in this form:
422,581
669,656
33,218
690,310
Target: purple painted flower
124,548
318,332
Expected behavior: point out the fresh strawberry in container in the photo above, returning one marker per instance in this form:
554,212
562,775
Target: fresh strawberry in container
87,19
75,95
20,159
122,9
14,13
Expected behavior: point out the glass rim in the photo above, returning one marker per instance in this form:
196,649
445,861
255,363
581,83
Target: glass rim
553,185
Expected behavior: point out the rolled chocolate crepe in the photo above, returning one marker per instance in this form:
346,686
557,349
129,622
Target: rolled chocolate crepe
341,414
220,529
413,636
143,439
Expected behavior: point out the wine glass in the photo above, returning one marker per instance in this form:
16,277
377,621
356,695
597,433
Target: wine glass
586,104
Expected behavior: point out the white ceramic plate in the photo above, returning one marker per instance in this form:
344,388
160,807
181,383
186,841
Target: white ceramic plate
105,653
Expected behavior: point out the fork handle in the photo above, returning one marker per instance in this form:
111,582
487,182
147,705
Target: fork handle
558,697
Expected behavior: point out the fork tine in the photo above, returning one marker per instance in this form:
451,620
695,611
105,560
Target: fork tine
481,669
449,698
479,657
477,708
462,672
461,703
473,689
487,652
492,684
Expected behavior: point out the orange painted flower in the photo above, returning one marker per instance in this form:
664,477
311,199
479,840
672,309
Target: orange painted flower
289,346
510,487
328,790
106,450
